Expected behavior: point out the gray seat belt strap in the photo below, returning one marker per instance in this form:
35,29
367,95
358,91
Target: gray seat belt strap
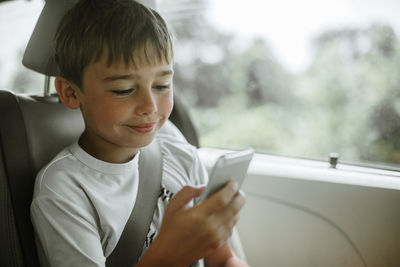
130,244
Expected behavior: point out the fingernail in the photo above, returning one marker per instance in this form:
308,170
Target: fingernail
242,193
199,186
235,186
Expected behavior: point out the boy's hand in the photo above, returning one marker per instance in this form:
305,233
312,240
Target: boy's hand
189,234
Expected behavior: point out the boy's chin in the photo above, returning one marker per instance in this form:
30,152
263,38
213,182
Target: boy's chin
145,141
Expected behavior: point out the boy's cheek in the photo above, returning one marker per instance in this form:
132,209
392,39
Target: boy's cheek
168,104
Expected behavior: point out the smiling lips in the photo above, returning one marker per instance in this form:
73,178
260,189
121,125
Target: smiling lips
143,127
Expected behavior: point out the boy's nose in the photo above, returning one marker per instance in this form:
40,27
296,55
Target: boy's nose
147,103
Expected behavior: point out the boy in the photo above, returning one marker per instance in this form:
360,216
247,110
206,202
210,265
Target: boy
115,61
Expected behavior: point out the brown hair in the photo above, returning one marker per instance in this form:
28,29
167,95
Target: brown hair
120,29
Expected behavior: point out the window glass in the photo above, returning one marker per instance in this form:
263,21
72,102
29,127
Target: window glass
17,20
295,78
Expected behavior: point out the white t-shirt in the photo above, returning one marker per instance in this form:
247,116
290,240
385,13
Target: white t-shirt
81,204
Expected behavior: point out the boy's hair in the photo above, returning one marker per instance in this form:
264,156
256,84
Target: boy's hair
120,29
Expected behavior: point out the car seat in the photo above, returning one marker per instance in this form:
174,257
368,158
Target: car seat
32,130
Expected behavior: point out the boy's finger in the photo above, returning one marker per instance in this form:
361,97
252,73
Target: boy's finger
222,198
234,207
184,196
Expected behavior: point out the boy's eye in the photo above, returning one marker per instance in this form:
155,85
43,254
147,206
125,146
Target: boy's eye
161,87
123,92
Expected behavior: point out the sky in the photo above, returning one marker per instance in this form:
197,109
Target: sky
289,25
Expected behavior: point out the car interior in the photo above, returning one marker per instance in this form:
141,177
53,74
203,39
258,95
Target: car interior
298,212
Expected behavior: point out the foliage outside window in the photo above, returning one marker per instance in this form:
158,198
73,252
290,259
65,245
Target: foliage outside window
241,93
346,100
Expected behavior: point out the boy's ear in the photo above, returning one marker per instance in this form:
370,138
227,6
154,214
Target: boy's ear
68,92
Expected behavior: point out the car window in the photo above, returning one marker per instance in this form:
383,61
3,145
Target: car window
294,78
17,20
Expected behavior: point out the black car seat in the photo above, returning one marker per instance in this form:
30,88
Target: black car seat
33,129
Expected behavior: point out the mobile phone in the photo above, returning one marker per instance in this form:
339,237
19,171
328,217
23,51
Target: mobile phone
230,166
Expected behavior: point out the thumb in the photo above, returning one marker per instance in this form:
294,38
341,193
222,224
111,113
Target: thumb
183,197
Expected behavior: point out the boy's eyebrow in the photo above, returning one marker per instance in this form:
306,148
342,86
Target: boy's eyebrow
165,73
118,77
132,76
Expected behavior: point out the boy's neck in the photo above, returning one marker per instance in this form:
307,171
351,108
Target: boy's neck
107,152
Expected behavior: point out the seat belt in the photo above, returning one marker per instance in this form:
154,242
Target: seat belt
130,245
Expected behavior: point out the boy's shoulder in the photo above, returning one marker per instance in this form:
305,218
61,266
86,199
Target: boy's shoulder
58,162
51,175
173,143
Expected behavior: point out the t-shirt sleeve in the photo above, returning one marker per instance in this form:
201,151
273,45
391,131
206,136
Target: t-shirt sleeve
66,233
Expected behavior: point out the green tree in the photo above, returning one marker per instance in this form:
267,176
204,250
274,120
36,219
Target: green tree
354,73
202,52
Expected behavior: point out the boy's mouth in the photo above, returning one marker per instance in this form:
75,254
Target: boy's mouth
143,127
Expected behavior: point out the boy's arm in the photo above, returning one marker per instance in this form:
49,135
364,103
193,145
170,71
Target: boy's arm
66,237
189,234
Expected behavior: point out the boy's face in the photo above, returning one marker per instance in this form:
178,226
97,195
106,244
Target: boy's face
124,106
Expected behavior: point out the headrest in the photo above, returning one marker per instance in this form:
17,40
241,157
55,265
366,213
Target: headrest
38,54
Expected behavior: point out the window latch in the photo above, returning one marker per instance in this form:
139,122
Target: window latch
333,159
